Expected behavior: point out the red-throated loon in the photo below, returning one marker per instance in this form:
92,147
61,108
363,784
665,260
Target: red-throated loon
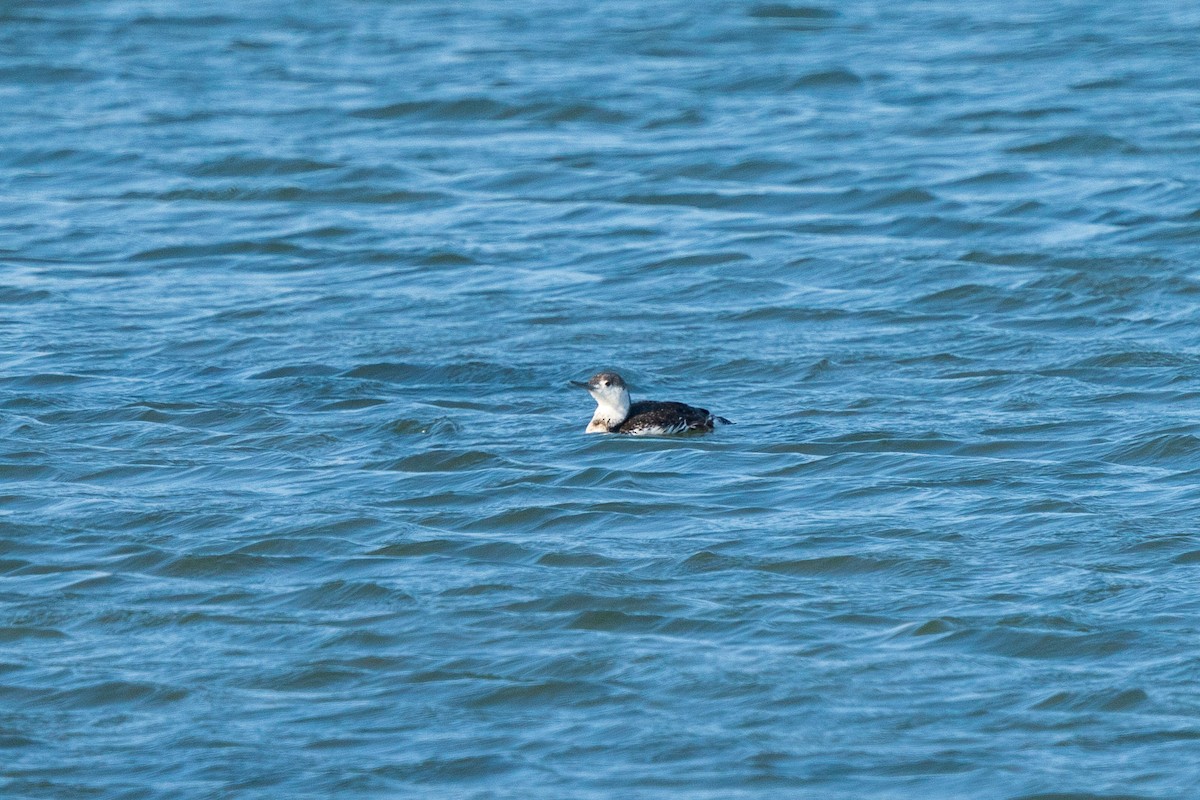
616,414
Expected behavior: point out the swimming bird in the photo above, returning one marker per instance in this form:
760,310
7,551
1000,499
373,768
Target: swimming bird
616,414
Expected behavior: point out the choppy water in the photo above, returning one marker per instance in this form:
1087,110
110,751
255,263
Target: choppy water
296,501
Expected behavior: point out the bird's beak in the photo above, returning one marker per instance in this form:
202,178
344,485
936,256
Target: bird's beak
580,384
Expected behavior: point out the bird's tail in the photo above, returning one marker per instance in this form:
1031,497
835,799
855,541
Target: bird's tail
723,421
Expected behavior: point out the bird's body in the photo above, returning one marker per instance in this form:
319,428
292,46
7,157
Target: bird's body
616,413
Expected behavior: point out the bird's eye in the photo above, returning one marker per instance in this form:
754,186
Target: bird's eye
606,383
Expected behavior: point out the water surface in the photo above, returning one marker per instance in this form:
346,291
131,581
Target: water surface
295,499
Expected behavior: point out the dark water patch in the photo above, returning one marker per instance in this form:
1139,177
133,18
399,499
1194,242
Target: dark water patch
595,476
467,372
577,560
45,380
450,769
944,227
708,561
246,166
10,471
19,296
789,314
445,258
704,260
127,474
230,566
479,589
499,552
870,442
516,519
543,694
750,169
292,194
1035,113
693,626
1087,144
800,23
311,538
1104,700
972,297
828,79
1098,84
573,603
90,416
310,679
447,461
478,108
934,627
784,11
1186,233
295,371
1005,259
832,565
185,20
994,178
12,565
94,583
1024,208
363,596
409,427
615,622
1138,359
1040,645
250,248
481,109
417,548
18,633
685,119
582,113
229,418
29,74
354,404
10,742
439,499
328,232
880,200
1165,451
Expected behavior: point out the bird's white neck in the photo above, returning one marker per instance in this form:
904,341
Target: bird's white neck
611,410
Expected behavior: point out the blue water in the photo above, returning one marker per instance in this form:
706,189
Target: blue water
295,500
